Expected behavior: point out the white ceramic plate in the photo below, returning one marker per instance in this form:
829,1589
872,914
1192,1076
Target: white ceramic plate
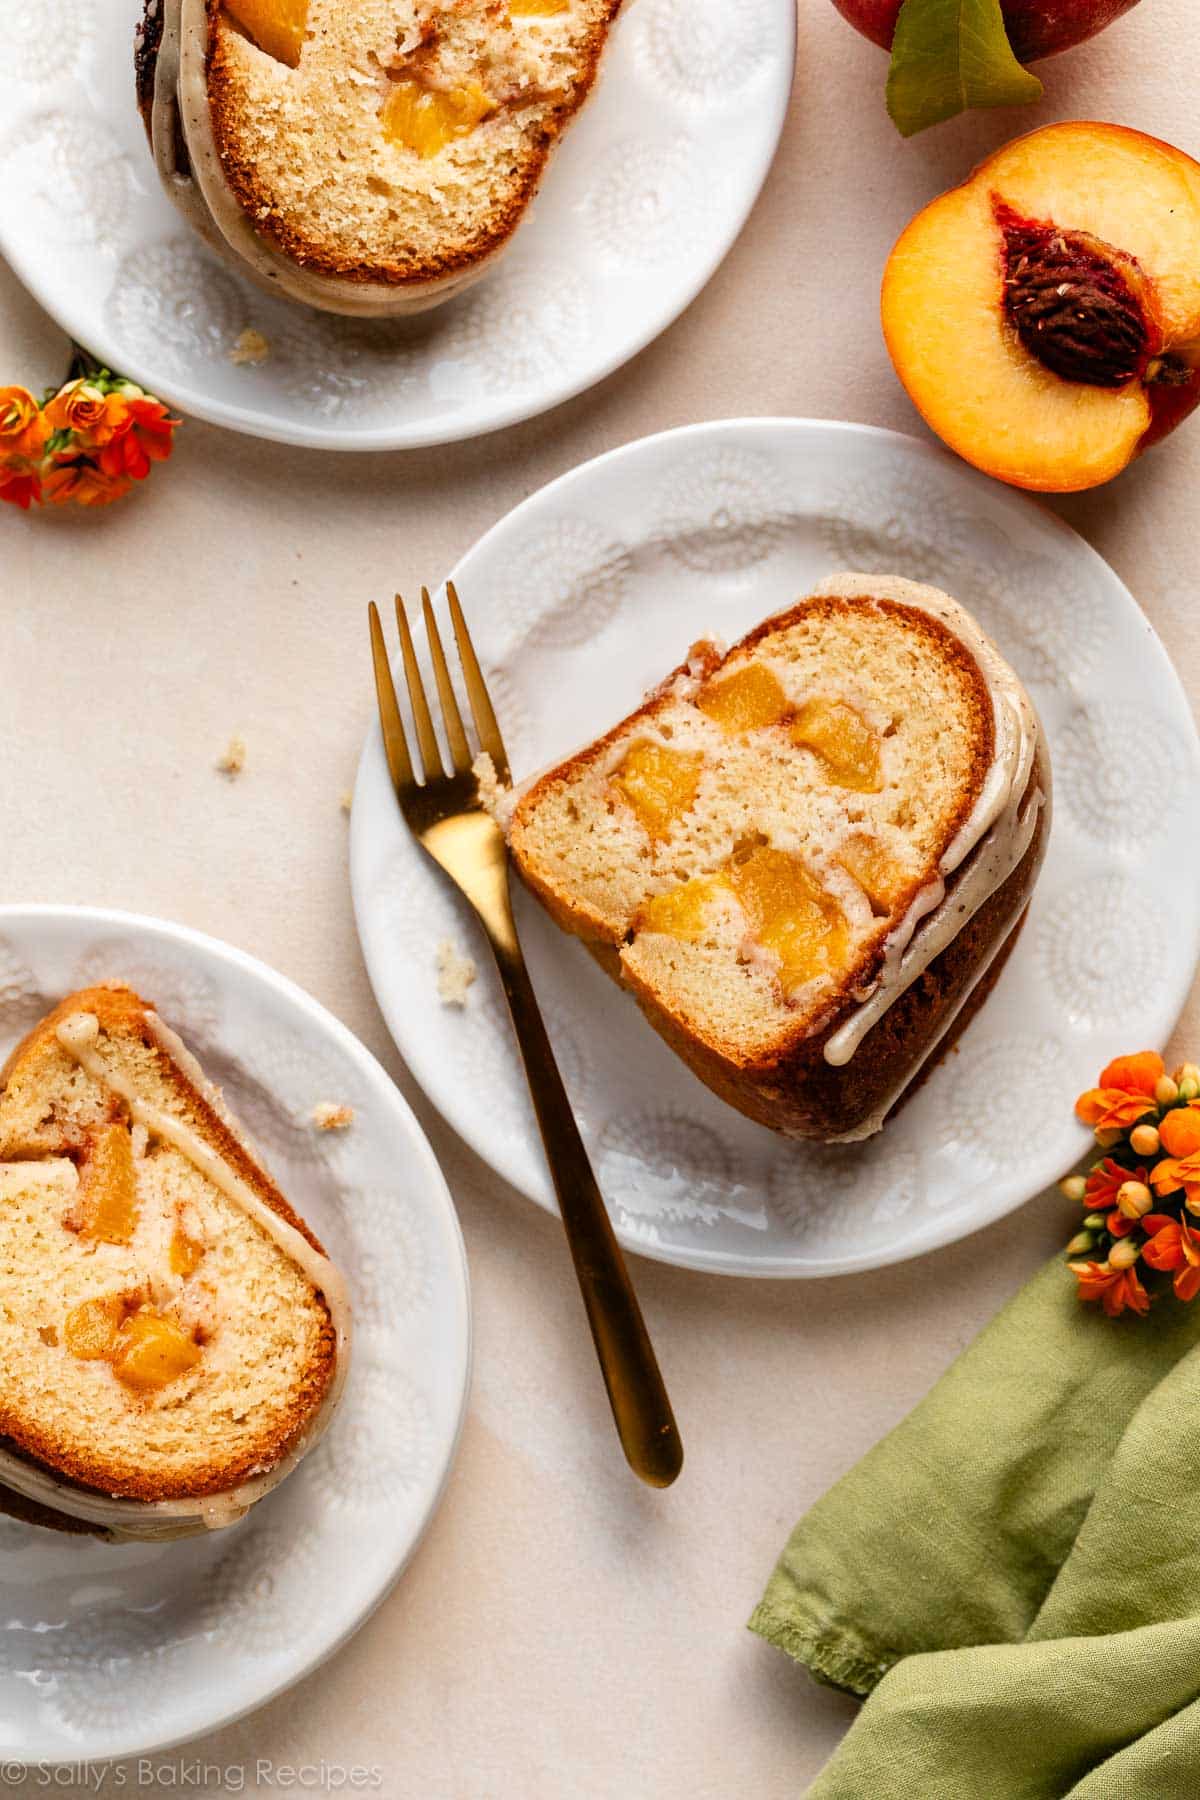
118,1651
584,597
650,188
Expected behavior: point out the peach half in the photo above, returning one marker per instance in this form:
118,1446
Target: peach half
1045,316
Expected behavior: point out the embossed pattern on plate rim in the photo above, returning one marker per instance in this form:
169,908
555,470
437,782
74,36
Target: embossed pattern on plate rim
733,144
209,1682
970,518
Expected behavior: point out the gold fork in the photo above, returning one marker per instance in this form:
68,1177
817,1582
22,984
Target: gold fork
444,811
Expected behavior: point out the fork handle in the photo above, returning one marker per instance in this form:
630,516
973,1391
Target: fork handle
636,1391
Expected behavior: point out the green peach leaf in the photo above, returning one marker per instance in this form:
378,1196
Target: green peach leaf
948,55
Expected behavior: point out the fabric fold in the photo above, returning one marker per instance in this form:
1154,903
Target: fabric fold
1013,1574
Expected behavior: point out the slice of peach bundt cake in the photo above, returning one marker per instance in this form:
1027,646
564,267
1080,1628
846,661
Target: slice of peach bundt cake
172,1336
363,156
806,857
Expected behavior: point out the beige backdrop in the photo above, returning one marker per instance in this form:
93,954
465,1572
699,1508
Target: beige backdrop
562,1632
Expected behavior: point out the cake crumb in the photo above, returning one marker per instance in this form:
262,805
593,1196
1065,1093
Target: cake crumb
346,800
250,349
329,1117
455,974
495,799
232,760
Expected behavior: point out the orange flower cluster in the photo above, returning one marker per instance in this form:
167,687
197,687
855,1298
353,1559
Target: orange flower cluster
1137,1198
86,442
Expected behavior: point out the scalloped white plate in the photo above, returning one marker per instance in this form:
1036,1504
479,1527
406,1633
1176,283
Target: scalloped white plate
584,597
110,1650
648,192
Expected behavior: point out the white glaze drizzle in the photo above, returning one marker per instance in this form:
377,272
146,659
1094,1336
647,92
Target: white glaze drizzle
210,205
998,829
874,1121
78,1036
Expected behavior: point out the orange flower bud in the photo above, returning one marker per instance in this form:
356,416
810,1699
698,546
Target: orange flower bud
1166,1091
82,408
1134,1199
1180,1131
1124,1254
1134,1074
23,427
1109,1135
1144,1140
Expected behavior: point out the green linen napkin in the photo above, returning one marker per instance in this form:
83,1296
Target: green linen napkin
1013,1575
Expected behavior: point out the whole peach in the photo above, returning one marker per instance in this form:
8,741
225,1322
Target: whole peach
1035,27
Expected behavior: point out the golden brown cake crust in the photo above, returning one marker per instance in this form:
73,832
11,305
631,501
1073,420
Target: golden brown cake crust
288,236
121,1012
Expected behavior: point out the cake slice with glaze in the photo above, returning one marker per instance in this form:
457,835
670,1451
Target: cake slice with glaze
173,1338
363,156
806,857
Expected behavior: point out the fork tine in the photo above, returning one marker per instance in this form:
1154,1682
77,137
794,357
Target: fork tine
431,756
394,740
481,705
460,754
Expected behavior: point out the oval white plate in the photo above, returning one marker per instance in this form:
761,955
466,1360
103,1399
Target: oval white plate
112,1650
646,195
582,599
